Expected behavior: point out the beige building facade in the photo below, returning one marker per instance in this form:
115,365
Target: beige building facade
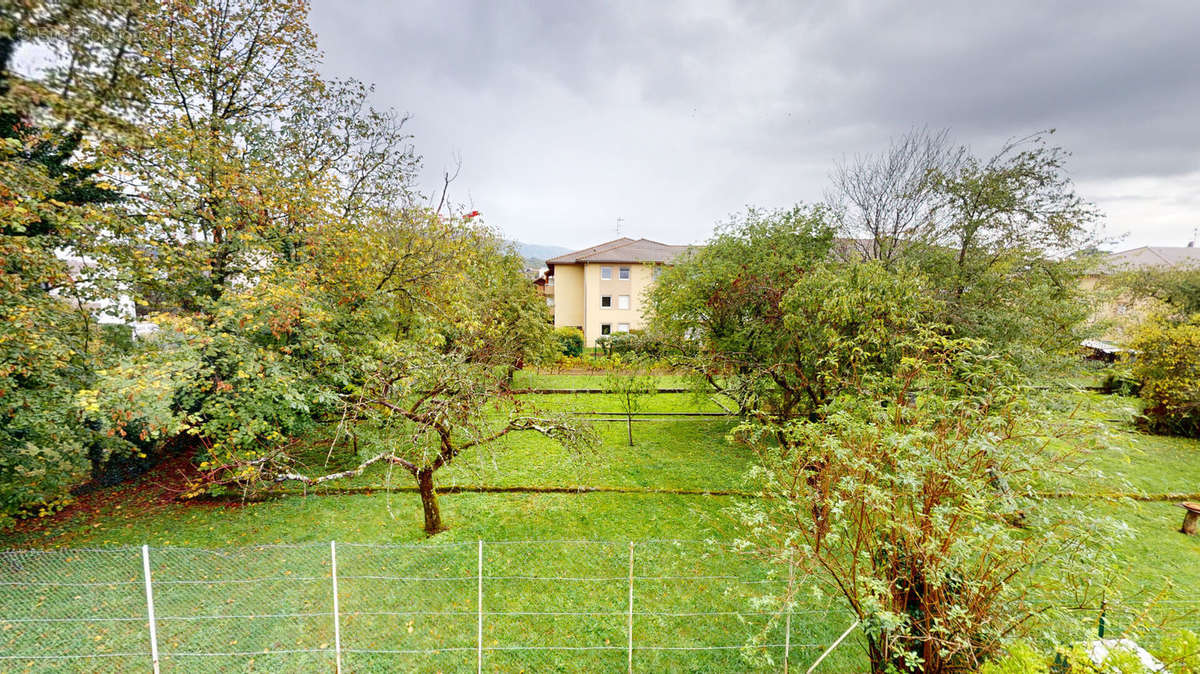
602,290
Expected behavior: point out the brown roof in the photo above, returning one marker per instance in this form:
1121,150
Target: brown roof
623,249
1153,257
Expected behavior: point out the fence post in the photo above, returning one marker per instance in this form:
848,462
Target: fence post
630,607
337,620
833,646
479,608
787,621
150,608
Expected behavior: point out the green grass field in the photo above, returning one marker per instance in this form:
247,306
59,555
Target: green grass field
671,453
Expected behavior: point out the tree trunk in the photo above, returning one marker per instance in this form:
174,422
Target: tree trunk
429,503
629,425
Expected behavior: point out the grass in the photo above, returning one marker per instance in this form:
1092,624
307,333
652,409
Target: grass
663,586
551,379
1160,564
609,404
670,453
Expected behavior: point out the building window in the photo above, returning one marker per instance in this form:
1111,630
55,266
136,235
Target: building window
653,274
550,301
549,280
622,301
606,301
606,273
623,273
606,328
622,327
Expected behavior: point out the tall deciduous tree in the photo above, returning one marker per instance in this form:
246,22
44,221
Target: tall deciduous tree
889,201
726,299
247,149
998,237
53,211
417,330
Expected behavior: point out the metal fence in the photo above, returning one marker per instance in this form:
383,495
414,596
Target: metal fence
470,606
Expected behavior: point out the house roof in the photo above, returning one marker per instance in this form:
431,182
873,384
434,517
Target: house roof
623,249
1153,257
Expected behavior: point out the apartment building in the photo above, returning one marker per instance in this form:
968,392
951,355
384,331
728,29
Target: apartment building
601,290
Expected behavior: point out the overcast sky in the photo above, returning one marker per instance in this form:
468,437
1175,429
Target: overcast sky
569,115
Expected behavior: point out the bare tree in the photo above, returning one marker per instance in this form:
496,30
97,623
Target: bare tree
891,199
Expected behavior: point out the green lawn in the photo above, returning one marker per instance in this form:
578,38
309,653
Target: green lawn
686,453
609,404
551,379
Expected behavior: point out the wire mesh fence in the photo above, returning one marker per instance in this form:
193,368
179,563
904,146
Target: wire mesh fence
437,607
499,606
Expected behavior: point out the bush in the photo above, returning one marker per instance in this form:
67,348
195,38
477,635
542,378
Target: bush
1167,363
1179,650
621,342
640,343
570,341
1121,382
1021,658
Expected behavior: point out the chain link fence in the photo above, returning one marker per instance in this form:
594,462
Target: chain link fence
437,607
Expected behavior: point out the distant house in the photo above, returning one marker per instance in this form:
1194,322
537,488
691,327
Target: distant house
1120,312
601,290
1153,257
119,310
544,286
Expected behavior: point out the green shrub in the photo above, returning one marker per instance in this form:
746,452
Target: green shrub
1120,381
1167,363
570,341
636,342
1021,658
1179,651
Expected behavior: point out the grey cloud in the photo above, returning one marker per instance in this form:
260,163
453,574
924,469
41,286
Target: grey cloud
673,114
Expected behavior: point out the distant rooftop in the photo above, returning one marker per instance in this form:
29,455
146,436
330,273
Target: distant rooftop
1153,257
623,249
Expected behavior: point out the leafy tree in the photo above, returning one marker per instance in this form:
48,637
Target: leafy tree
52,210
406,339
1001,239
263,196
1178,288
426,408
846,324
726,299
246,150
783,332
630,381
890,497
